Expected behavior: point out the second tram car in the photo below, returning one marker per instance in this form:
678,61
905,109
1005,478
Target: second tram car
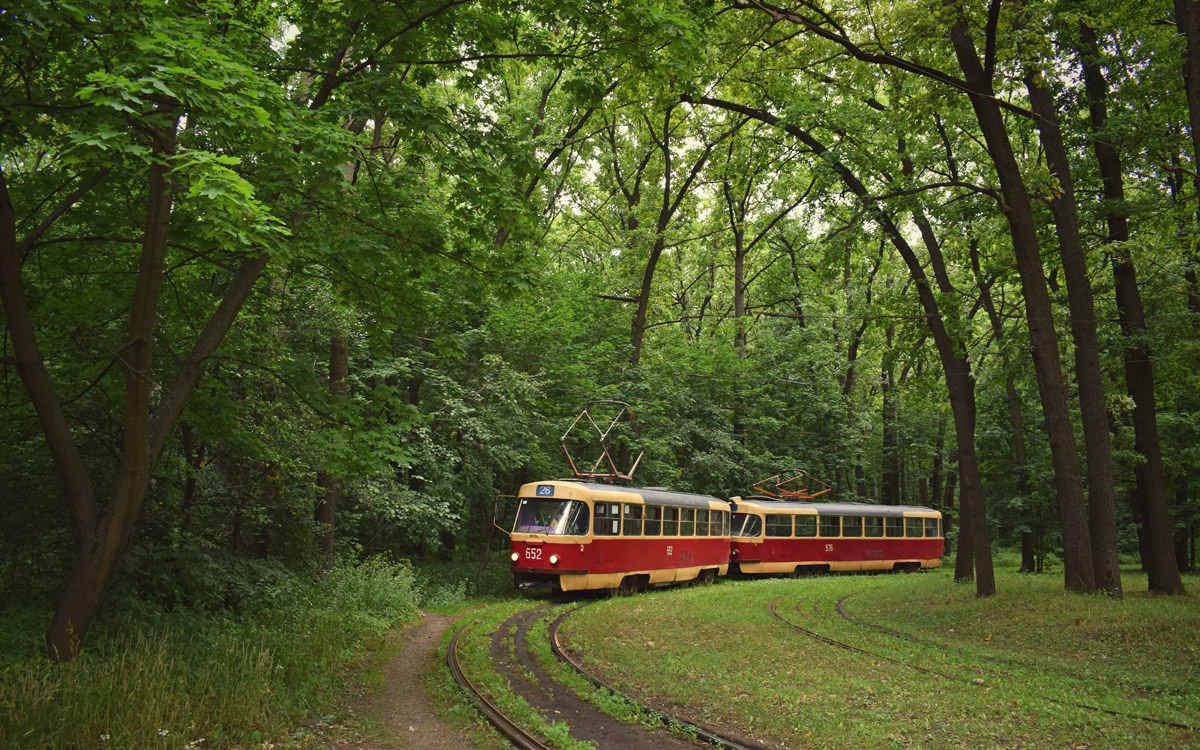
779,536
574,535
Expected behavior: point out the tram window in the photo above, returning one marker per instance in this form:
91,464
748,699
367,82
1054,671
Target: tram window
913,526
895,527
702,523
633,520
873,526
806,525
725,514
687,522
852,525
746,524
931,525
670,521
779,524
831,525
653,520
560,517
607,519
753,526
720,523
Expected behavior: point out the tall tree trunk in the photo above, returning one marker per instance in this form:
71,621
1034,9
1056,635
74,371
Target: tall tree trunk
890,474
1187,21
1102,506
1161,567
107,540
325,515
1079,573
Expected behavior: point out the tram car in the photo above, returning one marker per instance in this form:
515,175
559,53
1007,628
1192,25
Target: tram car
574,535
773,535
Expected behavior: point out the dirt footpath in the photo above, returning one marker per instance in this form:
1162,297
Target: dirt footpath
405,714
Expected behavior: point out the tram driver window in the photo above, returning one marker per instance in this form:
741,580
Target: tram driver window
633,520
653,520
852,525
558,517
670,521
687,522
746,524
913,526
806,525
895,527
607,519
873,525
779,524
831,525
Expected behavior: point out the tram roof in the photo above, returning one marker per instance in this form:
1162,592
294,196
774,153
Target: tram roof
653,496
853,509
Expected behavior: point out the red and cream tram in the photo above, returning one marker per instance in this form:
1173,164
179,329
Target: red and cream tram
573,535
780,536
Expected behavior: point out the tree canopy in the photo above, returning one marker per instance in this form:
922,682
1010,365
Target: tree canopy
289,280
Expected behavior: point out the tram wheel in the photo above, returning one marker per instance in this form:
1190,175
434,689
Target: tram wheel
628,587
707,577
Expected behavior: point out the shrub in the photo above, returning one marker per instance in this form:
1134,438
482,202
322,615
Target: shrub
212,680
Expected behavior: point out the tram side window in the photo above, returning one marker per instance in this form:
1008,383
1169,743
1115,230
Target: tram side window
852,525
719,525
873,526
895,527
779,524
702,523
633,520
607,519
687,521
806,525
726,515
831,525
670,521
913,527
653,520
931,527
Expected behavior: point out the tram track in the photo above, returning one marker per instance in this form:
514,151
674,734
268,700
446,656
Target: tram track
975,682
512,658
510,729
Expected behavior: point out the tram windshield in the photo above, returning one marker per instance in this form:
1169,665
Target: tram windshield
746,524
561,517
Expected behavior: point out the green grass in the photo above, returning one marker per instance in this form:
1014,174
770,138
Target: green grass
194,680
1023,657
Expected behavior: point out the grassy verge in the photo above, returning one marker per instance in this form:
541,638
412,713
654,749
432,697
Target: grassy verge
1022,660
190,680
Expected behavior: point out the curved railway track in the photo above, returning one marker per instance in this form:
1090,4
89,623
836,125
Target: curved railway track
977,682
558,703
503,724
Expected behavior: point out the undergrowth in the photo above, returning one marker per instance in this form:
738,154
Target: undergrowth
191,679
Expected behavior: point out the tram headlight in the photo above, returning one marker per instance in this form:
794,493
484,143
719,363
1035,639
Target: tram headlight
515,557
554,559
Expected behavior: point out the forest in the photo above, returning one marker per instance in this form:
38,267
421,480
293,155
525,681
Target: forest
299,285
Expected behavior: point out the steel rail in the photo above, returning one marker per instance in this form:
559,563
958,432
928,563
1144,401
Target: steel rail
707,735
977,683
503,724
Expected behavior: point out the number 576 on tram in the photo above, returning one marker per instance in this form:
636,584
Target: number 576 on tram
573,536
